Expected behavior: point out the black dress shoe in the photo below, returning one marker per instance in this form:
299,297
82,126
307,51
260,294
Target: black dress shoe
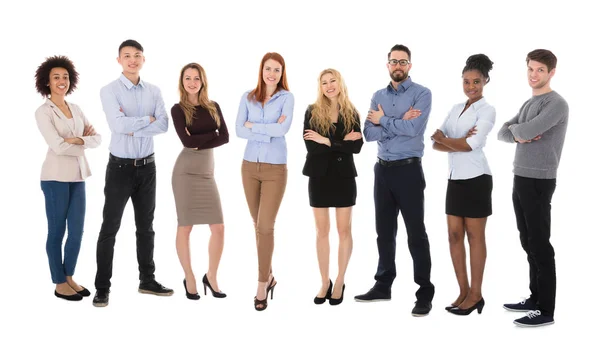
422,308
191,296
101,298
84,292
479,306
320,300
334,301
450,307
155,288
373,295
72,297
206,283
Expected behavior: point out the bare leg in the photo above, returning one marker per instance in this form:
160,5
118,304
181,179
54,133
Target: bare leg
215,249
322,225
73,284
343,218
476,235
182,243
456,238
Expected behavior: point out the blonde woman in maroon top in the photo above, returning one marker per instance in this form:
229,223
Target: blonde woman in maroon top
200,126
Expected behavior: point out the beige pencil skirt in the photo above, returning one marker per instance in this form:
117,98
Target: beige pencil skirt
197,198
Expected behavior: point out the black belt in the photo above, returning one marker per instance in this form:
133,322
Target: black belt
135,162
398,162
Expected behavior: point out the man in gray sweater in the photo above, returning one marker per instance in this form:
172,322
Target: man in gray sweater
539,131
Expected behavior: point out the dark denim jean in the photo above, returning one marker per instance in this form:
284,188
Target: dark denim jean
65,208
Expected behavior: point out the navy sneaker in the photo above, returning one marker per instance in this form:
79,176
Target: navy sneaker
524,306
534,318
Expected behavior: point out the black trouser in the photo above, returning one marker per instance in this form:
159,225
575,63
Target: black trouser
124,181
531,200
400,188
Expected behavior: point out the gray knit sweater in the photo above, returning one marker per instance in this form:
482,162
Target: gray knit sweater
546,115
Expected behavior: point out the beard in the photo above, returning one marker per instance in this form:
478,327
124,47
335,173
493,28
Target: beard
398,75
539,85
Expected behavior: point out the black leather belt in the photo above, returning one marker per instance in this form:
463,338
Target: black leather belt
134,162
398,162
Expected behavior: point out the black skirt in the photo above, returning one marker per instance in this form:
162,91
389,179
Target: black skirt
331,191
471,198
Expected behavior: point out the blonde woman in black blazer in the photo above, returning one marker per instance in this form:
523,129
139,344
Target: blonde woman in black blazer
332,135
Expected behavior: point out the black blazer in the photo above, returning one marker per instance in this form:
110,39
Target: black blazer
337,160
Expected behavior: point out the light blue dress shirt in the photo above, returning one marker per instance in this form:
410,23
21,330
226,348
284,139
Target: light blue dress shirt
397,138
128,109
266,138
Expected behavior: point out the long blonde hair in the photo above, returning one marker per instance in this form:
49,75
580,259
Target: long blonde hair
184,102
322,108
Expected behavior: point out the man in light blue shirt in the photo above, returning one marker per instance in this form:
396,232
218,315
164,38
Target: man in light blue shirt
135,112
397,120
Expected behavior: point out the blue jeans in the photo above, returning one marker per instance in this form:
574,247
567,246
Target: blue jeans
65,206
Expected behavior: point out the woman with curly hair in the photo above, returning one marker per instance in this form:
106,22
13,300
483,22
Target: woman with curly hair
332,135
68,133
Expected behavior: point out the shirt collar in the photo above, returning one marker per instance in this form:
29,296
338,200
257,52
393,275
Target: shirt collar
403,86
478,104
128,83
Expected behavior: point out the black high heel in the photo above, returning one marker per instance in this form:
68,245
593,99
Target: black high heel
450,307
263,302
479,306
334,301
189,295
319,300
207,284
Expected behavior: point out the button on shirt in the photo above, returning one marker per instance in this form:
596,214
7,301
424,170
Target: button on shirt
266,138
467,165
397,138
128,109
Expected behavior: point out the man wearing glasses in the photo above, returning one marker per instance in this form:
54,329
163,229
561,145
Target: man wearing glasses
397,120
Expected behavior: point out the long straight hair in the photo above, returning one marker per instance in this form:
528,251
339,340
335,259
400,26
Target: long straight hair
188,108
260,92
323,107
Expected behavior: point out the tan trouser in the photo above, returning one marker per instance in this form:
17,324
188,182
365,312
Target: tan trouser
264,186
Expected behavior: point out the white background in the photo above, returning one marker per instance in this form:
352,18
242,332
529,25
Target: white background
228,39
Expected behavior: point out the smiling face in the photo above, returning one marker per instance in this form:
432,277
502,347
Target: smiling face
400,70
132,60
191,81
538,75
329,86
473,82
58,81
271,72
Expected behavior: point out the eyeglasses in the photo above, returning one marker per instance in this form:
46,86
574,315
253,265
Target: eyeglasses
394,62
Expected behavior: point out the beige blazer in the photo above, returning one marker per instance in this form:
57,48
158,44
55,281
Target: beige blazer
64,161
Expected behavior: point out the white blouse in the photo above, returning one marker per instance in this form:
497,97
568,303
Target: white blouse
467,165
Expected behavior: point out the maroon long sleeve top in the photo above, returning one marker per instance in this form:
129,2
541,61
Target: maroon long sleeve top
204,133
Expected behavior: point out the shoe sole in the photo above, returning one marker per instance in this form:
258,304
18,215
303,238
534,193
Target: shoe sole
419,315
144,291
517,310
525,325
371,300
100,305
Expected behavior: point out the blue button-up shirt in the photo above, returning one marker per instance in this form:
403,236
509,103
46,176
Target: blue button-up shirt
128,109
266,138
398,138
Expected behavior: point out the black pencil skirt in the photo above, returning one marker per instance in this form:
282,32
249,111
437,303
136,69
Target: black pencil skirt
471,198
331,191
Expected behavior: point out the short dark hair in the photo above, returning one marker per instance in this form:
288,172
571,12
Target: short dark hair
399,47
481,63
42,74
544,56
131,43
